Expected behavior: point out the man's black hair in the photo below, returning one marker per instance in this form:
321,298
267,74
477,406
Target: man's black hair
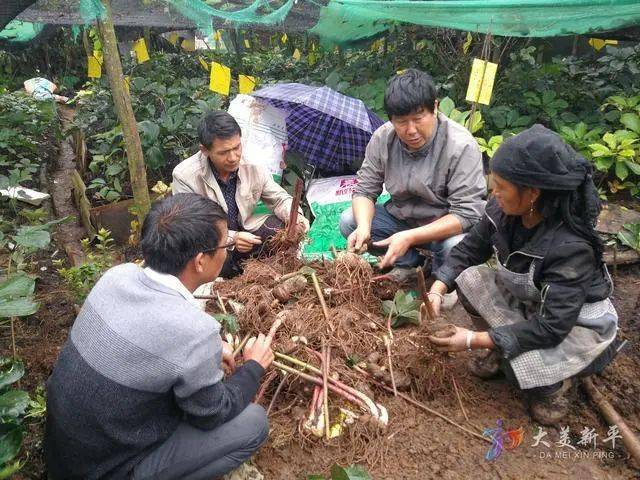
408,92
179,227
217,124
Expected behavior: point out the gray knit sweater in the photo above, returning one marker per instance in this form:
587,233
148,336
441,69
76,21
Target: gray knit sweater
139,360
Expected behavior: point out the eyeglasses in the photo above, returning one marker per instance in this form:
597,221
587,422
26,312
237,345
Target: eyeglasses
230,246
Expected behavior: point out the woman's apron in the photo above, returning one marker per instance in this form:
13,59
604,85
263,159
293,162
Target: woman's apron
503,297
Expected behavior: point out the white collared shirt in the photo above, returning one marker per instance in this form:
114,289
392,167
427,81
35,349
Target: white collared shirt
174,283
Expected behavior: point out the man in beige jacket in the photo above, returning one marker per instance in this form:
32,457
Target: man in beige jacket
218,172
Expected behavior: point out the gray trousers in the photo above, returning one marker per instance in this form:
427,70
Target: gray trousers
194,454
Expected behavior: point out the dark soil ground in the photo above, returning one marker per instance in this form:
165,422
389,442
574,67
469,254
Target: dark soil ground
416,445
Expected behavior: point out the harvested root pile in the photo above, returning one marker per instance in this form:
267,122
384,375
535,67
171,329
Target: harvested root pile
281,287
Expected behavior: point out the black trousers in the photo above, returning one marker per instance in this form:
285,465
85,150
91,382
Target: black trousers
233,264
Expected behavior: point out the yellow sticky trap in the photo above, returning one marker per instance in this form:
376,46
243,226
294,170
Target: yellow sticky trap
246,84
483,75
598,43
127,84
99,56
296,54
312,58
467,43
94,70
173,38
246,43
204,64
188,45
217,36
220,78
284,38
400,72
140,49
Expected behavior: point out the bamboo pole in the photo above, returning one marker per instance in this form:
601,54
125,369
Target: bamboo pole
293,213
124,110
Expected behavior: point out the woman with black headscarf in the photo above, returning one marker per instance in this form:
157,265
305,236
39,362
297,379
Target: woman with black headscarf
543,313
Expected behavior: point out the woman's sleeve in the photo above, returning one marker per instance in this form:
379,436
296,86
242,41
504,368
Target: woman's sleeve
474,249
566,275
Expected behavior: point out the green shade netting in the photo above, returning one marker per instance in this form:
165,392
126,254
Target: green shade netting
344,21
18,32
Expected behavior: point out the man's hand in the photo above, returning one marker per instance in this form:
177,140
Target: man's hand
245,241
397,245
228,362
358,240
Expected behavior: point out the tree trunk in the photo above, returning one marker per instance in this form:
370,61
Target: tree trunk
122,102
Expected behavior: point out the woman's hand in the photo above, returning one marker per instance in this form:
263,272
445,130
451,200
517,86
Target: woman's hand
436,296
456,341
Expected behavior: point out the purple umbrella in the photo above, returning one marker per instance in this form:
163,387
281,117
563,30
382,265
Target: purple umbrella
330,129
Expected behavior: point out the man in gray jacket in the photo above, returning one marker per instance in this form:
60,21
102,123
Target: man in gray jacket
431,166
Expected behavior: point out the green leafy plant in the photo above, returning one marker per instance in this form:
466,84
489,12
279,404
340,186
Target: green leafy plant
490,146
352,472
507,119
580,136
81,279
228,321
473,123
545,106
404,308
13,405
616,152
630,236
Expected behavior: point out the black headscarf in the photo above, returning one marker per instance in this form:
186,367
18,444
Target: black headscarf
539,158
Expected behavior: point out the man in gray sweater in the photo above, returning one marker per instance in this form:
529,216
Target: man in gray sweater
431,166
138,390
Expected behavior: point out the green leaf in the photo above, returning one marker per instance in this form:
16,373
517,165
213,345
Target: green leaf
13,374
10,441
13,403
114,169
622,171
17,286
10,469
315,476
228,321
446,106
154,158
20,307
600,150
631,121
634,167
353,472
32,237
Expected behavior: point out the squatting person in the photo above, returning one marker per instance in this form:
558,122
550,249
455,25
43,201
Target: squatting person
138,390
219,172
543,313
432,168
